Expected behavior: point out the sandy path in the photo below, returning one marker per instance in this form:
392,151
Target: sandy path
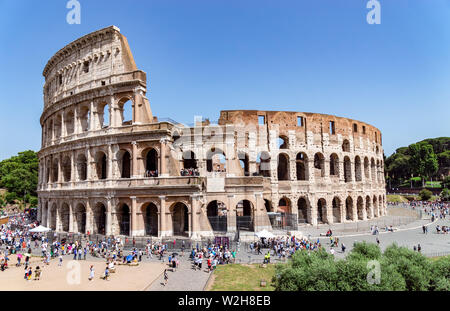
66,277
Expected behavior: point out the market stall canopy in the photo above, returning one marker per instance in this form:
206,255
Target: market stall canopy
264,234
40,229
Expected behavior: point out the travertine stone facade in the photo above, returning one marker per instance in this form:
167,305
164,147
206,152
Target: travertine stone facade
101,173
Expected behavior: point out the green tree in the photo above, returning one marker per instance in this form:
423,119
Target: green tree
425,194
423,160
445,194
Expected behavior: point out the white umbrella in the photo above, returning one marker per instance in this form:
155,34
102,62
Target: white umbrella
40,229
264,234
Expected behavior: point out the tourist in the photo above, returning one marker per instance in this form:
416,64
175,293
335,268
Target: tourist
166,277
37,274
91,273
60,260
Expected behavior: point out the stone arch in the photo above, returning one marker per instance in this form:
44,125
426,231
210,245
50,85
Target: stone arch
150,215
336,206
284,205
360,208
347,169
301,163
319,165
322,211
103,111
123,217
125,105
368,208
366,168
346,145
372,167
283,166
69,120
216,160
99,222
150,156
334,165
124,157
358,172
349,209
55,170
189,160
67,169
217,215
80,218
101,165
58,126
180,219
53,216
84,118
244,162
245,213
82,167
303,210
375,206
65,217
263,164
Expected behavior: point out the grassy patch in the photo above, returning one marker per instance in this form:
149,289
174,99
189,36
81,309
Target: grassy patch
237,277
396,198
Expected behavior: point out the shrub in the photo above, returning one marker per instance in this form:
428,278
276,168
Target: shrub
445,194
425,194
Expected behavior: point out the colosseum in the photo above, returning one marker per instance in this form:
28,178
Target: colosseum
108,166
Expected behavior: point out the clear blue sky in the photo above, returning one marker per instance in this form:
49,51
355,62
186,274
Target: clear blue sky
205,56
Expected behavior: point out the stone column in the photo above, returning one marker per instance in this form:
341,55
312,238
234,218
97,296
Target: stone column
108,217
109,165
93,121
313,208
134,164
162,232
133,229
71,207
162,167
89,164
76,126
194,215
231,214
89,224
63,126
49,216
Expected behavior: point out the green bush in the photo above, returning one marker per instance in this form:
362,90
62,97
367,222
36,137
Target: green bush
401,269
425,194
445,194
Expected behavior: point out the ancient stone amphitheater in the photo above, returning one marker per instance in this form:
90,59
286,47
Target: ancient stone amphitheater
109,166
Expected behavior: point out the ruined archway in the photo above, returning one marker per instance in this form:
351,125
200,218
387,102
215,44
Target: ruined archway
283,166
301,162
150,214
217,215
180,219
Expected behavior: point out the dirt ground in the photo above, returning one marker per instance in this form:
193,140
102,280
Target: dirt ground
73,276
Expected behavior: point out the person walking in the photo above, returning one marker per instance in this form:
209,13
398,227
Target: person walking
166,277
419,248
60,260
343,247
91,273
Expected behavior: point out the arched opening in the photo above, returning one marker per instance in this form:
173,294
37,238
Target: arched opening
80,218
215,160
368,208
283,142
180,219
283,166
347,169
58,126
372,166
284,206
302,210
85,118
55,173
321,211
69,119
82,167
263,164
346,146
126,165
53,212
375,207
67,169
358,173
100,165
378,171
189,160
301,163
360,208
244,215
65,213
151,163
124,220
100,218
151,219
349,208
319,165
366,168
267,205
126,111
244,162
336,210
217,215
334,165
50,132
104,115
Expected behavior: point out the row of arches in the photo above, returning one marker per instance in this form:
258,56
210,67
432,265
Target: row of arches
87,117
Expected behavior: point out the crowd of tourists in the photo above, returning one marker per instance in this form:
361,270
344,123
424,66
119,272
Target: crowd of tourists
151,173
189,172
